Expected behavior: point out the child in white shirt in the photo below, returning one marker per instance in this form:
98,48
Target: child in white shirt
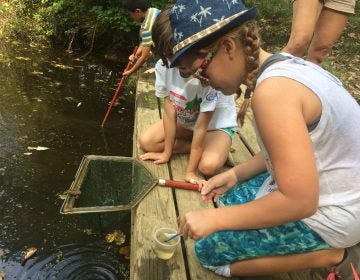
196,118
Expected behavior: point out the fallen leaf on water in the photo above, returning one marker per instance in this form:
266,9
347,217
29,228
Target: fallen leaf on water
27,254
38,148
71,99
62,195
62,66
21,58
37,72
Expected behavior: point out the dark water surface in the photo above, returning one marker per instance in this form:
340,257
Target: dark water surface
56,100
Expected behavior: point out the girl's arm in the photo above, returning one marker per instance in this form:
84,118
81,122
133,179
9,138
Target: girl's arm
281,117
224,181
197,145
169,120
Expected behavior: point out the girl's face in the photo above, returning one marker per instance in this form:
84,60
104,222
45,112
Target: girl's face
220,68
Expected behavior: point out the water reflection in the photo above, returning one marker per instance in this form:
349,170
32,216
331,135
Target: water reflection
56,100
71,262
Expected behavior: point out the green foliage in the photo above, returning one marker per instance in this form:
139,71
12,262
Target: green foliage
274,10
73,23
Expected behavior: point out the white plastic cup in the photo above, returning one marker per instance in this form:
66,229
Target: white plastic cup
165,250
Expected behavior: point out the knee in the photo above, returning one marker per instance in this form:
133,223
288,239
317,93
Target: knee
317,55
207,168
298,45
145,142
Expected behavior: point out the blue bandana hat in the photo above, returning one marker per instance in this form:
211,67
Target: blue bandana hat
193,21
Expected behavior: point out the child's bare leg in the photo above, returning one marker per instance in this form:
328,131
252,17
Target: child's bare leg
153,139
278,264
216,151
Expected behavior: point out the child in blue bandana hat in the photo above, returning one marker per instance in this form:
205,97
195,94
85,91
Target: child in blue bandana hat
196,119
294,205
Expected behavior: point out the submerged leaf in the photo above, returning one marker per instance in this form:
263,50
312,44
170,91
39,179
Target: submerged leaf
110,237
118,236
125,251
88,231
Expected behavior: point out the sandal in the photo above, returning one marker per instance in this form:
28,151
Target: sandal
349,268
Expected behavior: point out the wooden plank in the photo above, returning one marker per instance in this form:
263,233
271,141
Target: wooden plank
188,201
155,210
160,207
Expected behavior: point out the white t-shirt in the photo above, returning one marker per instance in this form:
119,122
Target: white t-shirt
336,145
190,98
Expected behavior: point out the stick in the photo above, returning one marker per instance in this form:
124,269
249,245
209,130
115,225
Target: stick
117,91
179,185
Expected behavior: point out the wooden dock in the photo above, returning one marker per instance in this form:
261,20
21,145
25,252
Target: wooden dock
163,205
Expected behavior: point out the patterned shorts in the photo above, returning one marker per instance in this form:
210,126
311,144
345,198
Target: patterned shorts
225,247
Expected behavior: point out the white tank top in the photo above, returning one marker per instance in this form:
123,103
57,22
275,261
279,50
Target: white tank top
336,143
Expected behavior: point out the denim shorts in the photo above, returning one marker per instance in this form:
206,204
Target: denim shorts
225,247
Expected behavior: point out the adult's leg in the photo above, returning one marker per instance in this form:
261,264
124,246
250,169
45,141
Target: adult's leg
152,139
216,151
305,16
278,264
328,29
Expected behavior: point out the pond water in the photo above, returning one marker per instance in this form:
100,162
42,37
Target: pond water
51,106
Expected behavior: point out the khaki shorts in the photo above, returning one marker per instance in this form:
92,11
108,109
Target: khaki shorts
345,6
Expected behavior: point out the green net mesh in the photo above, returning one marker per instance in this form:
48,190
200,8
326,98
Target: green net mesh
108,183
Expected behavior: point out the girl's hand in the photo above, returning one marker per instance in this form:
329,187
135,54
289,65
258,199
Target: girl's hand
158,158
198,224
218,184
192,178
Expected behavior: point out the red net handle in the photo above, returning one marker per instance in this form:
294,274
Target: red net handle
179,184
